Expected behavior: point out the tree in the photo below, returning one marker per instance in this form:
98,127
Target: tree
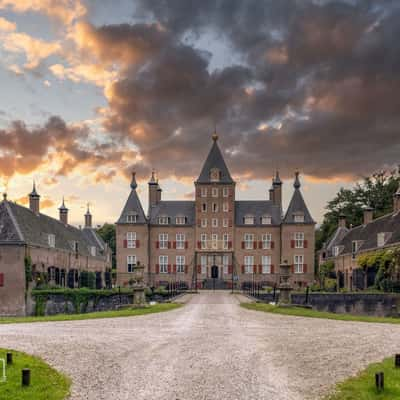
107,233
376,191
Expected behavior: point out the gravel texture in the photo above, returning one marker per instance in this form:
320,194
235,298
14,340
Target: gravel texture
209,349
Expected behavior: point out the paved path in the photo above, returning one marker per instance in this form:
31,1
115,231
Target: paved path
209,349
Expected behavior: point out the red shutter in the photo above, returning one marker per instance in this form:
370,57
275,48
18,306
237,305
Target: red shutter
230,269
198,191
199,223
186,244
157,268
242,269
157,244
254,245
230,192
272,245
260,269
174,269
292,244
292,269
242,245
137,243
306,244
169,244
1,279
125,244
186,269
199,269
255,269
198,244
272,269
174,245
230,222
230,244
260,245
169,268
304,268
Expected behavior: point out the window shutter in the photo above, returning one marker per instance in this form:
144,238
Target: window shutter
199,269
157,244
199,223
157,268
125,244
169,268
230,222
137,243
174,245
242,269
186,269
169,244
242,245
229,244
255,269
174,269
272,268
230,191
199,244
230,269
186,244
254,245
260,244
198,191
1,279
292,268
304,268
292,244
272,245
306,244
260,269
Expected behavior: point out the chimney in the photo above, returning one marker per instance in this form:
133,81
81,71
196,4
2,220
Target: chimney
342,221
277,186
88,218
396,201
34,200
153,186
368,214
63,213
159,192
271,194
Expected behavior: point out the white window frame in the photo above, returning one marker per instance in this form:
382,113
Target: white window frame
381,239
180,220
225,192
336,251
180,264
163,241
204,207
93,251
249,220
203,241
203,264
266,220
225,222
180,241
214,241
51,240
163,264
163,220
214,222
298,263
131,240
266,262
203,192
248,264
299,218
266,241
131,263
225,264
131,218
204,223
248,239
299,240
214,192
225,241
225,206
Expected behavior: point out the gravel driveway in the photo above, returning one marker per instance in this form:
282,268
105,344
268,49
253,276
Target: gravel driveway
209,349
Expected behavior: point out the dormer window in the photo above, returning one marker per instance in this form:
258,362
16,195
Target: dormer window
163,220
75,246
93,251
215,175
355,245
180,220
51,240
249,220
336,251
131,218
382,238
266,220
299,218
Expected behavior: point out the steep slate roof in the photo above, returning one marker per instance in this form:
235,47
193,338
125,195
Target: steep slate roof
297,205
368,234
34,230
133,205
335,240
215,160
257,209
173,209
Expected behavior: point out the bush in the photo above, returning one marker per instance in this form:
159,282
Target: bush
87,279
330,285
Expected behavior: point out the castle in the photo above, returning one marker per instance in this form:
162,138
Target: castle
215,239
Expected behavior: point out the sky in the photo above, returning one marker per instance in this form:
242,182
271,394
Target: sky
92,90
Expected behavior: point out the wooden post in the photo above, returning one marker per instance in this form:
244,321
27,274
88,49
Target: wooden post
9,358
26,377
379,381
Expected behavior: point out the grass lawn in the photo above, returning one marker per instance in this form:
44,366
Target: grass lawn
362,387
46,382
305,312
129,312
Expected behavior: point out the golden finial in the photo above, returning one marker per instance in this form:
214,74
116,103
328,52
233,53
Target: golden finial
215,136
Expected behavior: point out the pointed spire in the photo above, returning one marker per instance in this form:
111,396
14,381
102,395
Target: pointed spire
87,209
62,207
153,180
277,179
34,192
297,183
215,136
133,181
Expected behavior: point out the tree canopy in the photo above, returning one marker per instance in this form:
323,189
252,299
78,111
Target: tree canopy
375,191
107,233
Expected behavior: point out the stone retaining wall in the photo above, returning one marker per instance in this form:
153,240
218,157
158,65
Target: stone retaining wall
379,304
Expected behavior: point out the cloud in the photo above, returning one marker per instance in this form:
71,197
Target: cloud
44,203
7,26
